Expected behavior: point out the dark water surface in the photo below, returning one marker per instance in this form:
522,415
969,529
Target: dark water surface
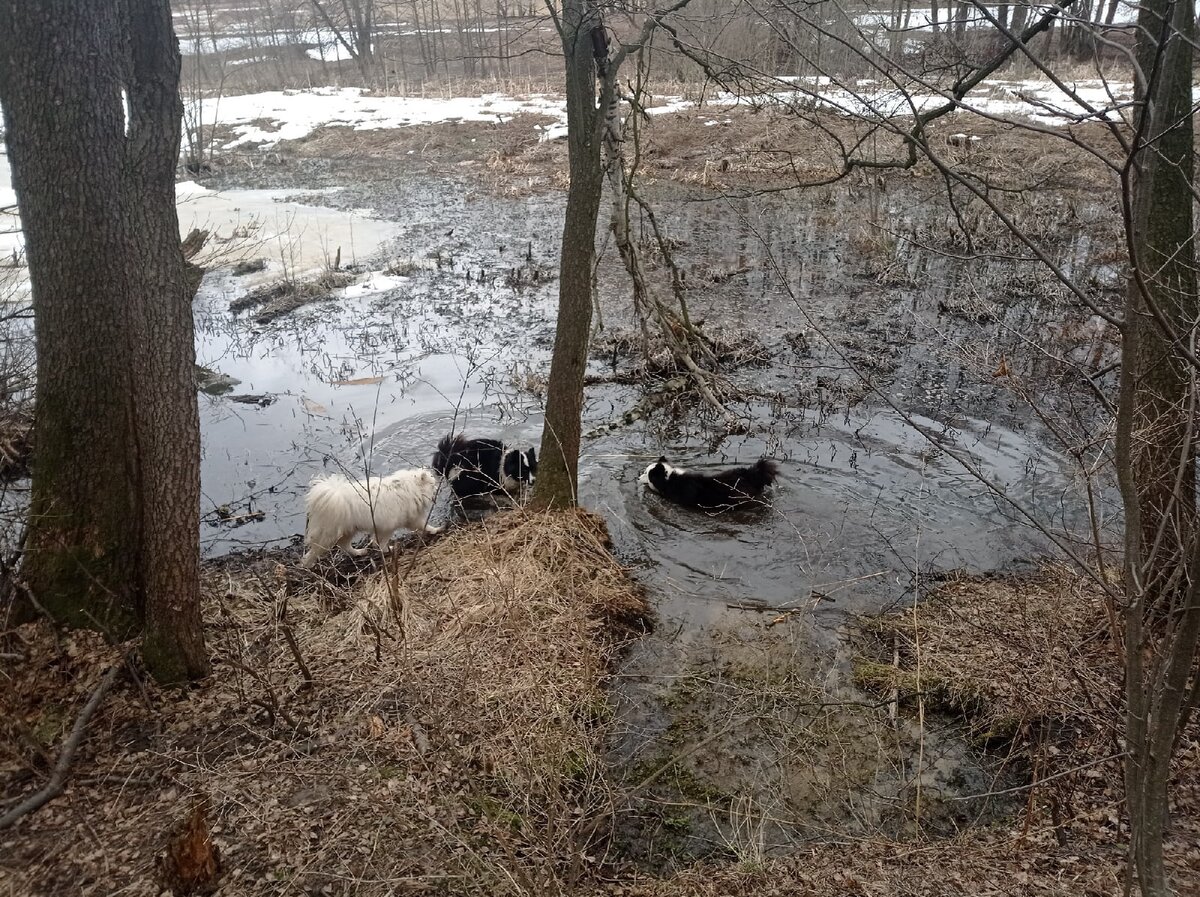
867,504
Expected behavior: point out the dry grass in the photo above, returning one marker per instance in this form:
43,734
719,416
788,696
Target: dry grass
448,739
961,867
1030,660
1009,652
742,148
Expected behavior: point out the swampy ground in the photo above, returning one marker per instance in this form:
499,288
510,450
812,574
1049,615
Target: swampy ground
755,724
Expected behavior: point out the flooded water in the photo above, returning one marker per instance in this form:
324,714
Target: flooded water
740,710
740,728
293,238
749,675
428,336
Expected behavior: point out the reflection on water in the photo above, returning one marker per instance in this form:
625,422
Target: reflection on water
369,378
370,381
863,503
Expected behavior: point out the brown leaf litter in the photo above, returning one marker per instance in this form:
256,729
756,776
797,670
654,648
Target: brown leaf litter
449,738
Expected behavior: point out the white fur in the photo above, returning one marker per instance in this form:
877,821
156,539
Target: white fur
340,508
644,479
509,484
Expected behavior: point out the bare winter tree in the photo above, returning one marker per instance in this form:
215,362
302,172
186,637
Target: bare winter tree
92,113
559,469
589,112
353,25
1156,420
1145,146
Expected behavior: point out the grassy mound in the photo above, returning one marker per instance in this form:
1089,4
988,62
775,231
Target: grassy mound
1006,652
439,730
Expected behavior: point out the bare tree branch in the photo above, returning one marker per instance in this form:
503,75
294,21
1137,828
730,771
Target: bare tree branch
58,778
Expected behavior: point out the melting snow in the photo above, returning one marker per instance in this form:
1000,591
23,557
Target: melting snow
296,114
267,118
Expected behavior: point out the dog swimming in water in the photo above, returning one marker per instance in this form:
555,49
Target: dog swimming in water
710,491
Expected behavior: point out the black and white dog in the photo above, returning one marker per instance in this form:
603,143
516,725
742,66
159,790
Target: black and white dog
483,466
710,492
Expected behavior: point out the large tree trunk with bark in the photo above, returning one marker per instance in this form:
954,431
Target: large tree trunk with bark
1156,456
92,112
559,463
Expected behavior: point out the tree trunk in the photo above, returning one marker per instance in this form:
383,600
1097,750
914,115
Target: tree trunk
92,112
1161,309
960,20
1155,427
559,463
1019,15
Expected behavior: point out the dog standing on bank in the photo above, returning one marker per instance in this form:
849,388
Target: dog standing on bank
340,508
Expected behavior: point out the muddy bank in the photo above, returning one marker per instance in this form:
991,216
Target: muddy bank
435,727
1028,665
442,726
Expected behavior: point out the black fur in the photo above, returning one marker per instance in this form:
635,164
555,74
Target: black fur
483,466
711,492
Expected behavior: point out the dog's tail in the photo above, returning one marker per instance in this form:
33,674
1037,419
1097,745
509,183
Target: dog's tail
447,448
765,471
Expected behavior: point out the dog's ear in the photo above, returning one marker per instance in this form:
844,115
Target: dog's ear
662,461
532,456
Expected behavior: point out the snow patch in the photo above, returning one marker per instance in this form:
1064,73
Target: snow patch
374,282
293,115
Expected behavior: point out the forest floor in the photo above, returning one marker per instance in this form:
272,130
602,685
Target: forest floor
439,727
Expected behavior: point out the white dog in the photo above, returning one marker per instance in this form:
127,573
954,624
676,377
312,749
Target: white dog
340,508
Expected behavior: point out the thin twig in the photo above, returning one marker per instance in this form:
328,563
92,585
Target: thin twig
1042,781
271,704
291,640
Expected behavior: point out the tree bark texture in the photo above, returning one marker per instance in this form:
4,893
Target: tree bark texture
92,111
557,482
1155,426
